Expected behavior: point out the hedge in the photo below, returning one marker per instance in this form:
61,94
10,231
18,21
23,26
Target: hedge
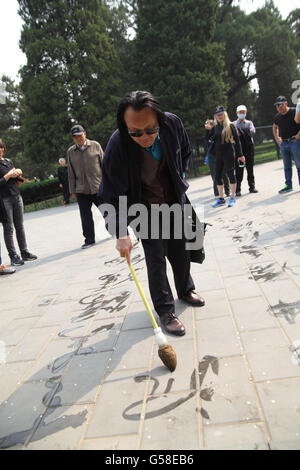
40,191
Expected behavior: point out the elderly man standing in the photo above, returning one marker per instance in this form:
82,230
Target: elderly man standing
286,130
84,173
246,131
145,160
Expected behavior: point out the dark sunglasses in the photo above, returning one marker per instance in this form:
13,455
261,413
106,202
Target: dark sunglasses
140,133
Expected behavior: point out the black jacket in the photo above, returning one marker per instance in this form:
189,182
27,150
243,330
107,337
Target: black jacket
214,137
121,172
3,216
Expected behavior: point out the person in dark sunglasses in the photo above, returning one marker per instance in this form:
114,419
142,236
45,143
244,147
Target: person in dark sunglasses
145,160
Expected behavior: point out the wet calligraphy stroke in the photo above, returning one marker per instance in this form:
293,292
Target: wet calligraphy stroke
205,394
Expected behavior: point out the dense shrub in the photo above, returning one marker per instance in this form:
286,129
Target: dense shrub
39,191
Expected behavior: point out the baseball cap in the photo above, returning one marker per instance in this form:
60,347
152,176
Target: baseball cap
280,99
219,109
77,130
241,107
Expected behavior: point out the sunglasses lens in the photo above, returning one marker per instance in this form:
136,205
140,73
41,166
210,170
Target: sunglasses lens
140,133
152,131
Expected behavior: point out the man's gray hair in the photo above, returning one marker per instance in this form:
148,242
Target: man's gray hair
61,160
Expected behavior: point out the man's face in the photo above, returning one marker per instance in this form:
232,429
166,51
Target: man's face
1,152
142,121
241,114
282,107
79,139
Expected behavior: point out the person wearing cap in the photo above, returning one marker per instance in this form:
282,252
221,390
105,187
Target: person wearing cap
286,131
228,149
145,160
84,174
246,131
211,160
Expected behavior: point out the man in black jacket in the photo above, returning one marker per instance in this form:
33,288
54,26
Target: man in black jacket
145,161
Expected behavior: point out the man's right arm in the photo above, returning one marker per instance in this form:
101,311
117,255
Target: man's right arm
276,134
113,185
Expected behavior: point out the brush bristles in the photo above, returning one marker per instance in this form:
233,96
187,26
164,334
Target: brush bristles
168,356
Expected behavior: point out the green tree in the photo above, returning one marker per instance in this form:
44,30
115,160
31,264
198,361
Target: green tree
10,115
72,75
276,67
178,60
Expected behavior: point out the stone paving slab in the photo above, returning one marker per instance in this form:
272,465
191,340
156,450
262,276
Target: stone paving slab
79,367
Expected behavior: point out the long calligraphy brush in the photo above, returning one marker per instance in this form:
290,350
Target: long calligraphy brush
165,350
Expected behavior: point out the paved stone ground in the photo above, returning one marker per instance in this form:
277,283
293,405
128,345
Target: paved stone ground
80,368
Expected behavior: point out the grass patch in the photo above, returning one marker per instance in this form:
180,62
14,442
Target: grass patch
53,202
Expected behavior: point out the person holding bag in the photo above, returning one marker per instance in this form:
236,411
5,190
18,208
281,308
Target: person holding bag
228,149
13,205
211,160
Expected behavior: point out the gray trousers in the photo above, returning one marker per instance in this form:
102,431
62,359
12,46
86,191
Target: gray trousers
14,210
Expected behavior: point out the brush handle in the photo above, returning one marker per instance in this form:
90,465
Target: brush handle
143,296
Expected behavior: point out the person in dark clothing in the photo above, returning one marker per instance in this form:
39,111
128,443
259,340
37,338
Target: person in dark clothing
209,145
246,131
228,149
286,131
144,160
62,174
13,203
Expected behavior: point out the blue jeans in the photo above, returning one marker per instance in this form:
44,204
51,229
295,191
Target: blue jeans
290,151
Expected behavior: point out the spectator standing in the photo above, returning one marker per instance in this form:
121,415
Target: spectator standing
62,174
211,160
84,173
286,130
228,149
13,204
246,131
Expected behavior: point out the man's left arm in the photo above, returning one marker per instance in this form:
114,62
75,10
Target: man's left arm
100,155
252,128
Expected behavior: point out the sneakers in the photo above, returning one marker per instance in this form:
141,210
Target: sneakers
6,270
87,245
238,194
26,256
219,202
231,202
16,261
285,189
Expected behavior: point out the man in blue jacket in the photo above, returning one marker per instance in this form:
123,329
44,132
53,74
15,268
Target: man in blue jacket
145,160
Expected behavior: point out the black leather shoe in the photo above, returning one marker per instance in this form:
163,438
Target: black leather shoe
172,324
253,190
194,299
238,194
